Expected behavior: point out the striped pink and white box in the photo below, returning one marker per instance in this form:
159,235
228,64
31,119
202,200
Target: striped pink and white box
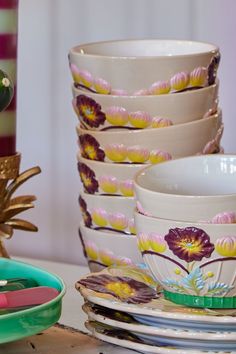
8,63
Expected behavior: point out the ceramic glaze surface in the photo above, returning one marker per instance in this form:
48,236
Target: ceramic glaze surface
138,64
124,339
182,108
158,331
157,311
107,178
191,259
108,213
192,189
137,48
105,248
138,146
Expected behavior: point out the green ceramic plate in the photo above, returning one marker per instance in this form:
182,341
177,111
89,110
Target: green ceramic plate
24,323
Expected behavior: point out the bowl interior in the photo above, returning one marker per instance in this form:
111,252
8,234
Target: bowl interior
144,48
207,175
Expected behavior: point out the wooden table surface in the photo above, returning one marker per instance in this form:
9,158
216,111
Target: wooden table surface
61,339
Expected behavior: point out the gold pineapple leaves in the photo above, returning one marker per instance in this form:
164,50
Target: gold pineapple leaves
10,207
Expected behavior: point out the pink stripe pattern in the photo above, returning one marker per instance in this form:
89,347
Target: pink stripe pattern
8,46
8,4
7,145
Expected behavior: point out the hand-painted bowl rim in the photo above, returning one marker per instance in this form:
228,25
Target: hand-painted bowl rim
79,50
182,196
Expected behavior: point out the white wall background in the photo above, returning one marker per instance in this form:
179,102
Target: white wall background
46,123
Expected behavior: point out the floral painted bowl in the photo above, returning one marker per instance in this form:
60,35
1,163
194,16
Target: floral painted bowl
102,212
152,66
194,262
104,248
106,112
150,145
195,188
107,178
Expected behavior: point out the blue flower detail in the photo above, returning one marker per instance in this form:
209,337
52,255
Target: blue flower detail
217,288
194,280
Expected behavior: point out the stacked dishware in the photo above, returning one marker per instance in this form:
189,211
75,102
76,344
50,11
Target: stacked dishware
125,307
186,222
138,102
186,231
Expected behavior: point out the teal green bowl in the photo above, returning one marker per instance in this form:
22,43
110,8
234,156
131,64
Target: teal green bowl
24,323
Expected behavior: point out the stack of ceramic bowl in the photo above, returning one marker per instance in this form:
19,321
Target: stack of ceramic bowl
186,231
138,102
186,222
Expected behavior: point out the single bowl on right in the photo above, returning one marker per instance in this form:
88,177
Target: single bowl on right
194,262
195,188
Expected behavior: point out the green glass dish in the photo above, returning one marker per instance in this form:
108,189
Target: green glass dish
24,323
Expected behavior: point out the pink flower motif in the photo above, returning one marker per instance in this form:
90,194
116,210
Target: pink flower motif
91,250
137,154
117,115
99,217
107,257
127,188
86,78
108,184
198,77
157,242
116,152
143,242
118,221
226,246
140,119
160,88
102,86
159,122
157,156
180,81
224,218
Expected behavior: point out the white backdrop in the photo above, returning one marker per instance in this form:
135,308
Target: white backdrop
46,122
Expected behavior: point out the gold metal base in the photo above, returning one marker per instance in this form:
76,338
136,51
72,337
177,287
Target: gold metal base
10,180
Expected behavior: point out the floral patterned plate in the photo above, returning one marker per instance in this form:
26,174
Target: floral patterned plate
132,290
128,340
181,337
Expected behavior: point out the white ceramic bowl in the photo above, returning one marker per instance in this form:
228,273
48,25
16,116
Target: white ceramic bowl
109,111
132,65
191,189
113,213
149,145
103,248
106,178
195,262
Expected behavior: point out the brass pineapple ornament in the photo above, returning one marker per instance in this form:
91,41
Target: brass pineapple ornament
11,180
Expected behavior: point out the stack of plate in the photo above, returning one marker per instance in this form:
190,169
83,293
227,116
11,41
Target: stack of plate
121,310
